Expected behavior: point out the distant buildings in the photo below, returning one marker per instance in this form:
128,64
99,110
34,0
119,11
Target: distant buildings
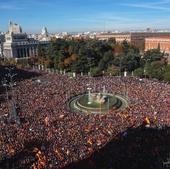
162,42
135,38
61,35
119,37
16,44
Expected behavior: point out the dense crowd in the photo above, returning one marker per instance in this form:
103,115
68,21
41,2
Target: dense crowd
53,137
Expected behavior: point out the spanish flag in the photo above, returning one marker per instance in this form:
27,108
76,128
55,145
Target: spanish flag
90,141
147,121
58,154
46,121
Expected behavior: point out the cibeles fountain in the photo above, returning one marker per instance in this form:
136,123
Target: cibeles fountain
96,102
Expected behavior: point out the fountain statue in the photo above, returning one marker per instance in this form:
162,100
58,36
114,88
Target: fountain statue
96,102
89,95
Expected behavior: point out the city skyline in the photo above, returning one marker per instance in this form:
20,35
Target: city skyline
89,15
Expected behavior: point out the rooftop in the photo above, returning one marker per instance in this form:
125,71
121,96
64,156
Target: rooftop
160,37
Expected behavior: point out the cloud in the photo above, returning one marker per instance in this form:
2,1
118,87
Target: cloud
159,5
7,6
20,4
102,17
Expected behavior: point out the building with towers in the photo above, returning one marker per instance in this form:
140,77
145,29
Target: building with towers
44,36
17,44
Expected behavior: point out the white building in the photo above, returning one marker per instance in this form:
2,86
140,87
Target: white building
44,36
17,44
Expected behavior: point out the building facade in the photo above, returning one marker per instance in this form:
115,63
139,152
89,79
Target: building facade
119,37
162,42
18,45
135,38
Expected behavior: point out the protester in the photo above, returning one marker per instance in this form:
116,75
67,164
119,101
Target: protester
57,136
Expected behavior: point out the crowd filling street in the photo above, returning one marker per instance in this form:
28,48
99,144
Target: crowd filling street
53,137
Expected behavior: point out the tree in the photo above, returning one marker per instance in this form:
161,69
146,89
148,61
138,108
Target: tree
132,61
153,55
166,75
73,57
111,41
125,47
117,49
139,72
155,69
102,65
113,70
108,56
67,61
47,62
95,71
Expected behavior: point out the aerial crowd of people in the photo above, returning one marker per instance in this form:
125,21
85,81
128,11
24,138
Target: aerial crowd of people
52,136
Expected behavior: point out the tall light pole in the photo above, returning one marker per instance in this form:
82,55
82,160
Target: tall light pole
12,103
11,75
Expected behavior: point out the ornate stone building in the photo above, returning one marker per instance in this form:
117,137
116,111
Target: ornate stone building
44,36
17,44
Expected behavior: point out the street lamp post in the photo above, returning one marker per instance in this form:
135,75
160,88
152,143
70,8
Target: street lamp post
146,61
11,102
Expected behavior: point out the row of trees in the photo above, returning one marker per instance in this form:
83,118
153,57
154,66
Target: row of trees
98,57
154,64
90,56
